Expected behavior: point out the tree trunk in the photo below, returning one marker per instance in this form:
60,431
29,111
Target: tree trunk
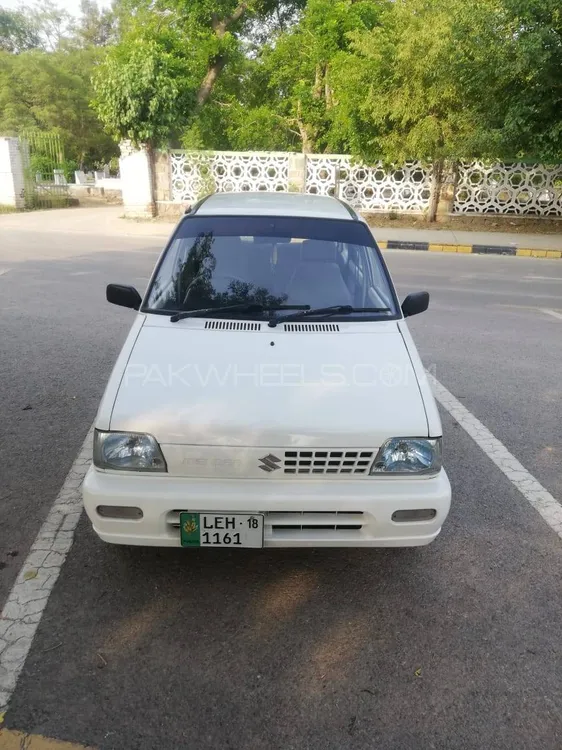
307,141
213,72
305,138
152,170
328,89
220,27
318,80
436,185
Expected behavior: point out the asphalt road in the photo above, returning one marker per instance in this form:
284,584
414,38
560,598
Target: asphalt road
453,646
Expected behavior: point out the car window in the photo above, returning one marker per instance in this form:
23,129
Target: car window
272,262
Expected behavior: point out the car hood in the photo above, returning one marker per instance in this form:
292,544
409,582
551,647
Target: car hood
340,385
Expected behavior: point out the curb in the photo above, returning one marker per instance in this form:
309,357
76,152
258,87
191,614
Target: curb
474,249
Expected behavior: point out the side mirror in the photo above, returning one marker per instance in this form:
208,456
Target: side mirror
125,296
415,303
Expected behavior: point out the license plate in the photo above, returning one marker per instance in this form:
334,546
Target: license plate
221,530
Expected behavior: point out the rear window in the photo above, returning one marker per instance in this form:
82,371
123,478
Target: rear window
272,261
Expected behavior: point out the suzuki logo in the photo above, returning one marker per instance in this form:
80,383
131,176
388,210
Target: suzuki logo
269,463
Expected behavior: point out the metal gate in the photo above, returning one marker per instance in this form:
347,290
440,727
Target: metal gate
45,180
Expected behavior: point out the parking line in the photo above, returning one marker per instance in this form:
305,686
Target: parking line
30,593
539,497
11,740
551,312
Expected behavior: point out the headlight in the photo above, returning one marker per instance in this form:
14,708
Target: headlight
408,456
131,451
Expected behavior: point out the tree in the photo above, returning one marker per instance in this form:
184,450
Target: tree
96,27
17,31
143,90
54,24
152,95
522,116
290,84
443,80
51,92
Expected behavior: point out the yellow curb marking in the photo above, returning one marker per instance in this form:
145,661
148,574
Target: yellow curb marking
521,251
530,253
12,740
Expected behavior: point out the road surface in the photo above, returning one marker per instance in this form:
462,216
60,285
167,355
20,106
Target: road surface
453,646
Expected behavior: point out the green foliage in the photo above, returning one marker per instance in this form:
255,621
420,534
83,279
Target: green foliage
142,91
445,79
97,27
379,79
43,165
17,31
154,84
291,82
50,92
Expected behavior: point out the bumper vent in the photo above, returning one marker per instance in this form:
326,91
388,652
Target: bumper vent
328,462
314,520
231,325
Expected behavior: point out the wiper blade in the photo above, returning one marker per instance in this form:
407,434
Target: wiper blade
243,307
326,312
249,307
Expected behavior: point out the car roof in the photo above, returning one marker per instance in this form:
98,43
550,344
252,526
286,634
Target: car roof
274,204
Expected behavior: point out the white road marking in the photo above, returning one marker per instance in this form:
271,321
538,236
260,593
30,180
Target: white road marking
3,271
542,278
29,595
551,312
539,497
545,310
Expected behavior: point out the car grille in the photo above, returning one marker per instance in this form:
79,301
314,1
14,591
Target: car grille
328,462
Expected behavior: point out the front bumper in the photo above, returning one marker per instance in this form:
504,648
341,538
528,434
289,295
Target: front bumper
298,513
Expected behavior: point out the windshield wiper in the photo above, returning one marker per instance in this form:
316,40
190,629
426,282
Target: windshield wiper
326,312
249,307
243,307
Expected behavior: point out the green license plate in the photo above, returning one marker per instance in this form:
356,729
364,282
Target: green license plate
221,529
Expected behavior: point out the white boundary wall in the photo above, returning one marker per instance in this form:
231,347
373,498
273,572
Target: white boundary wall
408,188
182,177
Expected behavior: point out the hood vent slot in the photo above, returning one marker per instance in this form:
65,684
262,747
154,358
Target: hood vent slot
312,327
231,325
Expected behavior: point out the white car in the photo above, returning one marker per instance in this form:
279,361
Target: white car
269,392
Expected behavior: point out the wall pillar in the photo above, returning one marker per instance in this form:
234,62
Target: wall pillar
297,173
136,182
162,177
12,179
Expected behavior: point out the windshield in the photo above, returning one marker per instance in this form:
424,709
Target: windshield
278,263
